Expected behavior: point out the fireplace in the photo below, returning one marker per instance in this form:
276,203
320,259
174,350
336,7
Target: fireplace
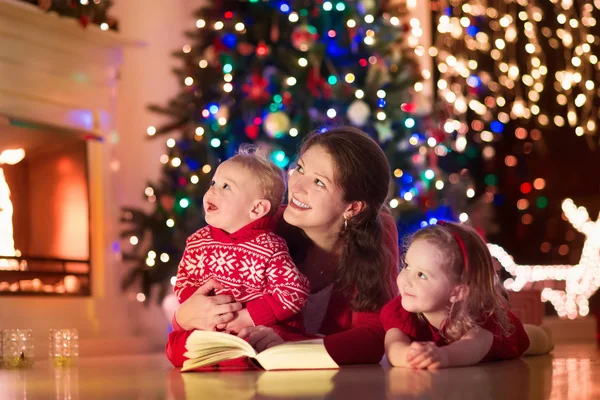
44,212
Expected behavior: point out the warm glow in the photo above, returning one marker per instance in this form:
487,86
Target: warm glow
581,280
7,243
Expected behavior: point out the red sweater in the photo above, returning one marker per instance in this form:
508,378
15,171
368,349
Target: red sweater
417,329
252,264
351,337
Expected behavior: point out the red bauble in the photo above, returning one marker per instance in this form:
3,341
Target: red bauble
252,131
304,37
262,49
439,135
256,90
84,20
408,107
167,202
245,49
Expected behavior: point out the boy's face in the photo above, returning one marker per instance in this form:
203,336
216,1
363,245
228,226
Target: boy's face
229,201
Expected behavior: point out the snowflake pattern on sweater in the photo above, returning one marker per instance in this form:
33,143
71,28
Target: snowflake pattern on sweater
251,264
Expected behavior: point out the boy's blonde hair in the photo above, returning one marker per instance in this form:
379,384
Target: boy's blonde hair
270,177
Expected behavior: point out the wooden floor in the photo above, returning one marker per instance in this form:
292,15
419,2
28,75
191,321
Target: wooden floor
572,372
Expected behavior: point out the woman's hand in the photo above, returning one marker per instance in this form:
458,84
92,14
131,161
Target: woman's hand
204,312
261,337
241,320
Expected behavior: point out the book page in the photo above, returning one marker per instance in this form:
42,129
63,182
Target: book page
206,348
206,339
206,360
309,354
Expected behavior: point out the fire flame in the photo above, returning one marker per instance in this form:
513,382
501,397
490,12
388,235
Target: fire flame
7,243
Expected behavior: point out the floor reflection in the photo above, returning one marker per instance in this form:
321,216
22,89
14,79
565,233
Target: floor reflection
571,373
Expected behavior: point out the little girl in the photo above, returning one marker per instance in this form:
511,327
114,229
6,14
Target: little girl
451,310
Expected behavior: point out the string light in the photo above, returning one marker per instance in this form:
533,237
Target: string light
518,84
581,280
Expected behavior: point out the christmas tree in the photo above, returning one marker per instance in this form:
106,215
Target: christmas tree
271,72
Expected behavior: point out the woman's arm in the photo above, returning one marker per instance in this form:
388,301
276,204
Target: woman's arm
397,347
199,311
175,348
361,344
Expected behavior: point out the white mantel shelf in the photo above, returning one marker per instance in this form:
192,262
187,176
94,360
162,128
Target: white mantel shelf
54,72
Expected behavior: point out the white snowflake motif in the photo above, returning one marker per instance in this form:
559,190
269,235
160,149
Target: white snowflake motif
252,270
195,266
222,263
289,271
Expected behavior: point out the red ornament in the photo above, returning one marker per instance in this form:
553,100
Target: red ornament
167,202
317,85
439,135
287,99
218,47
304,37
408,107
182,181
252,131
245,49
256,90
526,188
262,49
275,33
84,20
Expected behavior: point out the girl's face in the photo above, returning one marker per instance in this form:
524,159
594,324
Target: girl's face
315,200
424,284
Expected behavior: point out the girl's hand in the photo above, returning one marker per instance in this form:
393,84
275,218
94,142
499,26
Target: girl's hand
426,355
261,337
204,312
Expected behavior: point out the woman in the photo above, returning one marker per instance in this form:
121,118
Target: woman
340,236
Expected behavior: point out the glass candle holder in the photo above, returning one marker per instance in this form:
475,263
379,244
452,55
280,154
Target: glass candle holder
17,348
63,347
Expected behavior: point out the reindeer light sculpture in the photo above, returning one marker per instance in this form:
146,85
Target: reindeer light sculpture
581,280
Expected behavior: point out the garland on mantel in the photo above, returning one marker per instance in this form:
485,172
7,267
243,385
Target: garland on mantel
86,11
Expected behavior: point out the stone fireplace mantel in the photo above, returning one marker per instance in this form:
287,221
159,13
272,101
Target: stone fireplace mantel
57,77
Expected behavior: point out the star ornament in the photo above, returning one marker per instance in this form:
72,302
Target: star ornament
256,90
581,280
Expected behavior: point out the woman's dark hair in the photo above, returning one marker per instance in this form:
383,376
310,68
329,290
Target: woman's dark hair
363,173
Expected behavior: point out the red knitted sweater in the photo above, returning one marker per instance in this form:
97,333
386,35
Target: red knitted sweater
252,264
351,337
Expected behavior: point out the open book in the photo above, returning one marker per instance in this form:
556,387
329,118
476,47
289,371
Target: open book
206,348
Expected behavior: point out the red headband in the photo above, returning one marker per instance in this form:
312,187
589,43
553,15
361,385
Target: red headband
461,244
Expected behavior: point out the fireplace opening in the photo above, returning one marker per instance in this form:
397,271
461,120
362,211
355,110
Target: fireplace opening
44,213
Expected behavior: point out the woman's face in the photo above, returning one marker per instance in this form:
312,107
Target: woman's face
315,200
